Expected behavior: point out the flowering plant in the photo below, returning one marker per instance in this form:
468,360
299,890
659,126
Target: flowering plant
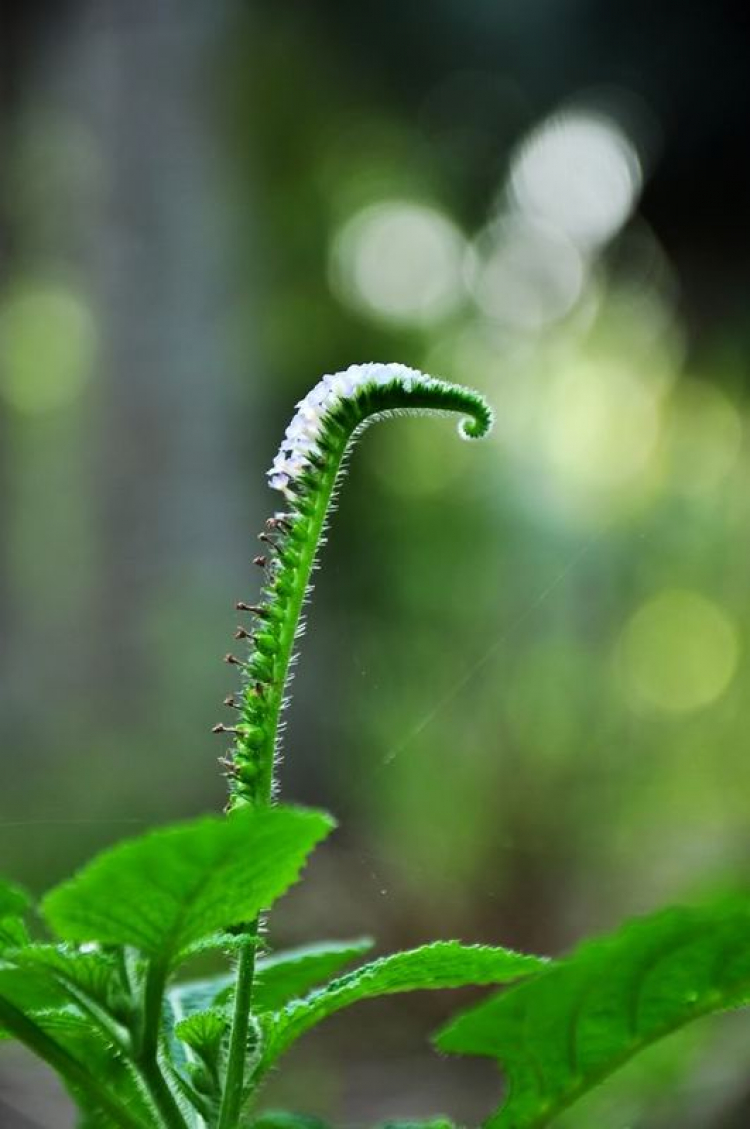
138,1046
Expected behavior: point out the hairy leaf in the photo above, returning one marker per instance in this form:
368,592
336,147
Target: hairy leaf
100,1079
203,1031
92,973
444,964
290,972
197,995
562,1032
29,991
221,942
164,891
279,977
34,997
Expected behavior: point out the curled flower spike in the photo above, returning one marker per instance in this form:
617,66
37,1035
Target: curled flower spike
305,441
306,471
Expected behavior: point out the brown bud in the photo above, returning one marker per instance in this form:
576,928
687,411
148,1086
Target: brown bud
256,609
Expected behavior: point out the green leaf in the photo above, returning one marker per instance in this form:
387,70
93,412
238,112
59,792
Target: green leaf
44,977
433,1123
444,964
31,1004
95,974
561,1033
13,900
281,976
196,995
95,1121
278,977
13,905
222,942
166,890
98,1077
13,934
30,991
280,1119
203,1031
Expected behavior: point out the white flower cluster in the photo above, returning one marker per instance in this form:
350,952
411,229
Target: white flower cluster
300,441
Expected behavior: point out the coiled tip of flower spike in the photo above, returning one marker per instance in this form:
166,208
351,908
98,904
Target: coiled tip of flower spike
480,423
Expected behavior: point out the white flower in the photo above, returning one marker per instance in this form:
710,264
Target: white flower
307,425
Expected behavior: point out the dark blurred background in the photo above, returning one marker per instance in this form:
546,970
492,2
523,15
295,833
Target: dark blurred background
524,691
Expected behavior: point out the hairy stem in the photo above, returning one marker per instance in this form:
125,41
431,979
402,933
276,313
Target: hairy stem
235,1076
289,625
147,1059
234,1084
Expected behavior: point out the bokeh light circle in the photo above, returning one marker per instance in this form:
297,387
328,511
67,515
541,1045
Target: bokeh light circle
399,261
527,275
580,172
600,424
678,652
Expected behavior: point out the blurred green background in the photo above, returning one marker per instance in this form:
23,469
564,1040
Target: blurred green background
524,690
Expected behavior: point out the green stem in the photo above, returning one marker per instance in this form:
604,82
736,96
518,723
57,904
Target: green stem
147,1061
288,627
234,1084
235,1077
68,1067
169,1112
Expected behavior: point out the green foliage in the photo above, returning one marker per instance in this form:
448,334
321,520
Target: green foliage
279,1119
102,1081
568,1028
291,972
203,1031
13,933
137,1051
196,995
29,990
166,890
94,974
444,964
433,1123
279,977
14,901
